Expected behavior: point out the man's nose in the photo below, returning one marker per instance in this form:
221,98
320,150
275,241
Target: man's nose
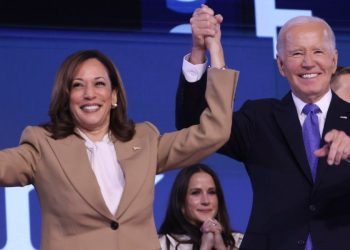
308,60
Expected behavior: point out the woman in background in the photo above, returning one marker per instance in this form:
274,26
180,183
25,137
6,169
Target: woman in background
196,216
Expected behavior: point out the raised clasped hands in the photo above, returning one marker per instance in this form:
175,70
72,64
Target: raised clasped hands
211,235
337,147
206,34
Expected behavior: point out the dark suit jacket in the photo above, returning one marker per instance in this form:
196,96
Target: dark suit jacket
266,136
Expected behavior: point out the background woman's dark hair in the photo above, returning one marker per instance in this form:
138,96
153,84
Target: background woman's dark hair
175,222
62,123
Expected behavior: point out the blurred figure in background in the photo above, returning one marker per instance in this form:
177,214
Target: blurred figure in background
340,83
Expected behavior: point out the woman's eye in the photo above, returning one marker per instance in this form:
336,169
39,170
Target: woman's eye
194,192
76,84
100,84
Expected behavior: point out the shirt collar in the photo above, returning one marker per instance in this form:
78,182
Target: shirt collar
323,103
91,144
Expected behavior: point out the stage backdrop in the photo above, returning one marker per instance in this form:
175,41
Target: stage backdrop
150,64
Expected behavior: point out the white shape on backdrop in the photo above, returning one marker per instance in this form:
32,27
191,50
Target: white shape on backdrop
268,19
17,218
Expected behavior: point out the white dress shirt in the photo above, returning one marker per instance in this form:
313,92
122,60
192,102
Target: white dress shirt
193,72
323,104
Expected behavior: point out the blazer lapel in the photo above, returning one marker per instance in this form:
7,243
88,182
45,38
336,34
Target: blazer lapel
72,157
135,159
338,117
287,119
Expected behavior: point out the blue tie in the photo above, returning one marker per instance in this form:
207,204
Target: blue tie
311,135
312,138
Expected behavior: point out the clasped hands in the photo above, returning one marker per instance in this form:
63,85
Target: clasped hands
211,235
206,34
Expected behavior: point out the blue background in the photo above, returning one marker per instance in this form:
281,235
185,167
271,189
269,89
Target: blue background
149,60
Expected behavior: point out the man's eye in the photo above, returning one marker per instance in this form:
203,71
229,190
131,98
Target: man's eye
296,53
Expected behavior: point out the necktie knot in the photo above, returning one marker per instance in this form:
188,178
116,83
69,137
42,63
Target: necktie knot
313,108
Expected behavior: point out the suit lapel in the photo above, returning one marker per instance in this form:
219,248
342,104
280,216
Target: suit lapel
338,117
72,157
287,119
134,157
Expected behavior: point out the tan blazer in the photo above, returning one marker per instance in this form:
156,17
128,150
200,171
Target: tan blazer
74,214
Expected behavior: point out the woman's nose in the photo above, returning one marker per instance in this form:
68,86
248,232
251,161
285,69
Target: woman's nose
205,199
89,92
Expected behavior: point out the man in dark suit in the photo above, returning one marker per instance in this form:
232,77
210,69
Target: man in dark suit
301,196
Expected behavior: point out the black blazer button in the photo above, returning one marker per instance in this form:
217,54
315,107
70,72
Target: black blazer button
114,225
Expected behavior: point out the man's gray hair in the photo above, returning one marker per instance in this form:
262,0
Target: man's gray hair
303,20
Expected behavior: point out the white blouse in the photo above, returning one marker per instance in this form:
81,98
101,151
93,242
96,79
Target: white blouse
105,165
238,237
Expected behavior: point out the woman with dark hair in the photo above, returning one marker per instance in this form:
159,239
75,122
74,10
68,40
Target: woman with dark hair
62,123
196,216
94,169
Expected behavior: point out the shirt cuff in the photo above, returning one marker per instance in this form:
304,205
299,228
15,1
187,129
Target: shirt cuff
193,72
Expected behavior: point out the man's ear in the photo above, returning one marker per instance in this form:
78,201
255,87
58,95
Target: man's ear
280,65
335,61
